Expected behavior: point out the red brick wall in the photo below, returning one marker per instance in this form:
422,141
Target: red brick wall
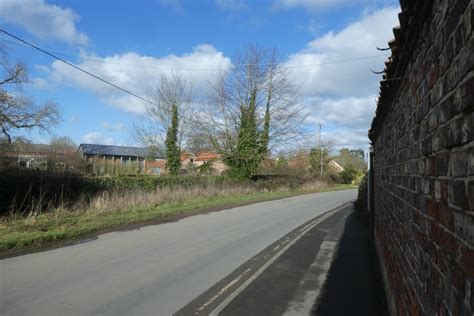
423,138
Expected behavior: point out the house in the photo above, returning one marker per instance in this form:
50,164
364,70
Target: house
213,160
38,157
335,167
187,159
107,158
156,167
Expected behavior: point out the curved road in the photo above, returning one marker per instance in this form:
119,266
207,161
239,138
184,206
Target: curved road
155,270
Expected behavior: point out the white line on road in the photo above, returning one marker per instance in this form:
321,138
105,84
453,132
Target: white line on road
310,286
244,285
304,298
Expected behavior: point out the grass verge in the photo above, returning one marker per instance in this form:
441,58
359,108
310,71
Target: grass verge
53,229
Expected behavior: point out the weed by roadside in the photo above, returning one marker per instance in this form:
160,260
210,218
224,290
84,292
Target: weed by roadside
117,208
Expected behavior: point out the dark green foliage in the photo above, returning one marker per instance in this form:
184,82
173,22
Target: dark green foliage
315,161
362,197
273,182
173,161
206,168
348,175
265,135
22,190
150,183
247,156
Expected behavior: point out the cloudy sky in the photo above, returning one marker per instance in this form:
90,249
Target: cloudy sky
330,47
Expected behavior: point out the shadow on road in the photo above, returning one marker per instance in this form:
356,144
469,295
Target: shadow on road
354,284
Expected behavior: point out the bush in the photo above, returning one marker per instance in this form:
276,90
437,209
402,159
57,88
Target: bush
358,177
348,175
27,191
34,191
362,198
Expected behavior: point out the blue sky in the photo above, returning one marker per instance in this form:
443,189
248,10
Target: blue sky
130,42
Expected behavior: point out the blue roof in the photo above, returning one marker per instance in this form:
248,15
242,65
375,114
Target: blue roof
108,150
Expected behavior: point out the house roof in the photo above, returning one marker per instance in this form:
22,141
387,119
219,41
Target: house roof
108,150
206,156
335,164
186,155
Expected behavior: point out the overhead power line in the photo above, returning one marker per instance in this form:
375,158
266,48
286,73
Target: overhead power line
44,51
102,61
78,68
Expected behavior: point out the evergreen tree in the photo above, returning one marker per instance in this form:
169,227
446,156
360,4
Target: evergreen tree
173,152
245,162
315,160
265,136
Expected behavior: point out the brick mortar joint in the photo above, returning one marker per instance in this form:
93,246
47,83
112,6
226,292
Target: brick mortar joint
447,95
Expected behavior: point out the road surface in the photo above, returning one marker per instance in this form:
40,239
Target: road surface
155,270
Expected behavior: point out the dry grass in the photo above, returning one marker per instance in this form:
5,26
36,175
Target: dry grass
116,208
119,201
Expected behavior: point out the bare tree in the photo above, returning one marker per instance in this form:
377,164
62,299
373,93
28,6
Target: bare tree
259,83
198,142
18,111
172,91
62,143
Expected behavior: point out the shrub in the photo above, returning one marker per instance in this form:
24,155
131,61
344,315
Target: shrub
362,197
34,191
25,192
359,176
348,175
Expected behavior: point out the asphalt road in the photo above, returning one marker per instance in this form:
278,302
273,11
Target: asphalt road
155,270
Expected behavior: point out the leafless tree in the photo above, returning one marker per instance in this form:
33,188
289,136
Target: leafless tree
62,143
171,91
198,142
18,111
257,73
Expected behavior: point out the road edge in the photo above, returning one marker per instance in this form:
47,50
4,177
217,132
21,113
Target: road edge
93,235
212,301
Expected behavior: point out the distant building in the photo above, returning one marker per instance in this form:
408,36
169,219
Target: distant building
107,158
335,167
214,160
38,157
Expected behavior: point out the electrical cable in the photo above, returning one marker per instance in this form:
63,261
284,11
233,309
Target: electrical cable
78,68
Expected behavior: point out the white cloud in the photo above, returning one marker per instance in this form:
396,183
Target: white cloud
97,138
113,127
139,74
342,95
42,84
347,112
232,5
318,5
74,119
345,79
347,138
45,21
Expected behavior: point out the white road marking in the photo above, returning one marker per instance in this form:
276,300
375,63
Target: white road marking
244,285
303,299
225,288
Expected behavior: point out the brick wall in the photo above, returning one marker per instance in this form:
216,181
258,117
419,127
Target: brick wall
423,139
